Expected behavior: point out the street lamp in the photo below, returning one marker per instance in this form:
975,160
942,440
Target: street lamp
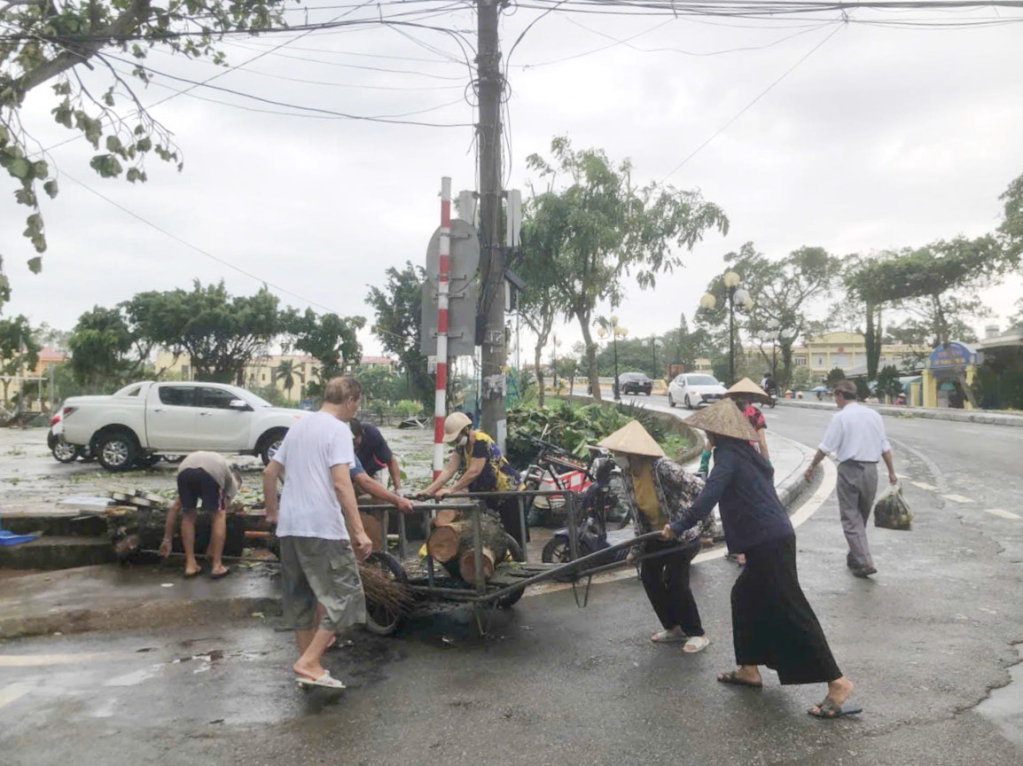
613,330
737,296
655,342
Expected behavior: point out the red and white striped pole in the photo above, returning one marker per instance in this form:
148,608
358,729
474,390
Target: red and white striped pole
440,403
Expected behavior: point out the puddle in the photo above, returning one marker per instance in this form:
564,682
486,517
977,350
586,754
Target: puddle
1004,706
133,679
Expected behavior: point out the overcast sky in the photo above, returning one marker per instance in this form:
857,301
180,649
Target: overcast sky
882,138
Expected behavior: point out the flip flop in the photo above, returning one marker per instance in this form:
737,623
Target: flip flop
731,678
190,575
696,644
667,637
326,680
221,575
828,710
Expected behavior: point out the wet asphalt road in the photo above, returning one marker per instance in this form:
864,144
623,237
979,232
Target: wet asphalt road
925,641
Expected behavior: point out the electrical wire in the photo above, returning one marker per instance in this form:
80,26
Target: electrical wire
752,103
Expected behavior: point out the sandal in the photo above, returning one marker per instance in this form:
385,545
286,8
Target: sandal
669,637
326,680
828,709
731,678
696,644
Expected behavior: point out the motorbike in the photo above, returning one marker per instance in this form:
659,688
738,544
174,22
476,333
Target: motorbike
595,504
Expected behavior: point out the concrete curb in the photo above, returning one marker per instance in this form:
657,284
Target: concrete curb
987,417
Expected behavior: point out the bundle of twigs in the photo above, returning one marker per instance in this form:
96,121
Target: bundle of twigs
382,590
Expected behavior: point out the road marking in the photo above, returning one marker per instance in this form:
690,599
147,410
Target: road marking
1003,514
958,498
13,693
40,660
924,485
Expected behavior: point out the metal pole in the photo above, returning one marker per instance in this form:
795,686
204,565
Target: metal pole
614,344
440,393
477,549
492,267
731,336
522,527
573,533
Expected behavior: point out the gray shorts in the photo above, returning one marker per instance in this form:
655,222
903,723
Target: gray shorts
325,571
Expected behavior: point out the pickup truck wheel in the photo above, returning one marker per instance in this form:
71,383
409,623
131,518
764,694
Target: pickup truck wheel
116,451
270,443
64,452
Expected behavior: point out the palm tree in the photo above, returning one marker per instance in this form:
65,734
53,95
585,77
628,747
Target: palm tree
286,371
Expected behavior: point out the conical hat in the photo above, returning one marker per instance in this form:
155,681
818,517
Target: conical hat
749,389
724,419
633,439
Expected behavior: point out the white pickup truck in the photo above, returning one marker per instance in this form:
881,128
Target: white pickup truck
143,420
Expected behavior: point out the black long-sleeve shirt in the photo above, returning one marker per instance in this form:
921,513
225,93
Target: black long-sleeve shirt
741,484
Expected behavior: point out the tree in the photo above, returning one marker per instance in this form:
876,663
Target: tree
684,347
286,372
942,282
221,333
888,384
538,303
1016,322
599,228
330,339
19,351
783,292
834,376
1011,229
398,310
45,43
107,350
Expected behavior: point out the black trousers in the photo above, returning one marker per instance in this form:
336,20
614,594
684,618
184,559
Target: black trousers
772,622
508,511
666,580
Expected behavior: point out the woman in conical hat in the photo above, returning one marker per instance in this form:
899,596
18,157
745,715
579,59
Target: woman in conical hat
772,622
659,491
744,393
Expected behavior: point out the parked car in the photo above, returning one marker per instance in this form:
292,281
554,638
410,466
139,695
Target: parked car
635,383
62,451
694,389
143,421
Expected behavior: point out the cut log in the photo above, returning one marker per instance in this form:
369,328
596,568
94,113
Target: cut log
452,545
446,516
467,565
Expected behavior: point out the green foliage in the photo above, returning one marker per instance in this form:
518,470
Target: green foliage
801,380
108,350
999,381
379,383
599,228
398,308
408,408
833,377
888,382
330,339
571,426
221,333
862,389
53,39
1011,229
782,291
19,350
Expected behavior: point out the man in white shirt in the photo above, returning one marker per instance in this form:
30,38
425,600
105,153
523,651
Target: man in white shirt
320,530
856,438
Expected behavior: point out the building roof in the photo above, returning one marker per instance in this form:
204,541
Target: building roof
47,354
377,360
1008,339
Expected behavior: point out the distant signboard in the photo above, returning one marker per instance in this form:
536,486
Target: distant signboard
956,354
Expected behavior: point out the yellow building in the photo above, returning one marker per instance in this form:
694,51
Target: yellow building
261,372
264,371
848,351
40,375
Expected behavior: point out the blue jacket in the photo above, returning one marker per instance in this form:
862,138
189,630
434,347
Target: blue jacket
741,484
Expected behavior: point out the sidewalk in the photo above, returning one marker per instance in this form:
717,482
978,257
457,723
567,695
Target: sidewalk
989,417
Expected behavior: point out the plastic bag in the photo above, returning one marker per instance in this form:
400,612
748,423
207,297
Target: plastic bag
892,512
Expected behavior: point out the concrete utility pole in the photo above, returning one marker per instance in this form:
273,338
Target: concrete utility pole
492,268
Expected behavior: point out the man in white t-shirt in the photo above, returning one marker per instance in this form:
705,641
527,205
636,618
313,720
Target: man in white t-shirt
320,530
857,439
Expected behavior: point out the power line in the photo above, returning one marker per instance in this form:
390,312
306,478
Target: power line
196,248
752,103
